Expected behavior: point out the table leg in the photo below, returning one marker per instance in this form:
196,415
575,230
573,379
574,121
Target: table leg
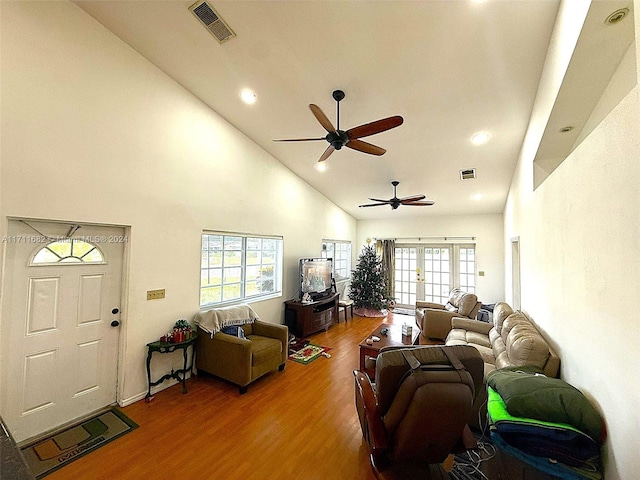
184,370
148,398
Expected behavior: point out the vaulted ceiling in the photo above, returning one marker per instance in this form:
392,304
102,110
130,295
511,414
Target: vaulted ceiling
449,68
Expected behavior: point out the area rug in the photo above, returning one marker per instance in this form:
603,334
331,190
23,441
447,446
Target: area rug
296,345
405,311
54,452
308,354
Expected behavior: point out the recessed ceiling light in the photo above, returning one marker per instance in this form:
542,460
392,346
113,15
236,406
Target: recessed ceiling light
479,138
477,197
248,96
617,16
322,167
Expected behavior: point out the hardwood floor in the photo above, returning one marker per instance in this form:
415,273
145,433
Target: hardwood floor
297,424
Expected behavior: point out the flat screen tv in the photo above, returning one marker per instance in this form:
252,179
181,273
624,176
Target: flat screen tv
316,277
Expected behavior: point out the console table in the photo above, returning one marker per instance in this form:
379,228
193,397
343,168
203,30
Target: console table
165,347
307,318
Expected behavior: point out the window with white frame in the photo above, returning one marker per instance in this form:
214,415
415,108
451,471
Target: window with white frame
237,267
340,251
69,251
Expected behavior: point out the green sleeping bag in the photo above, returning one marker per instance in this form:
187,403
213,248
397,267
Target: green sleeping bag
528,393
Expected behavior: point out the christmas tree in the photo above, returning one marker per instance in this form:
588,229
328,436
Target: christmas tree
368,284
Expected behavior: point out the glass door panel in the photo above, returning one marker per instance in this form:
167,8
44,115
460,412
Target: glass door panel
406,277
467,270
437,278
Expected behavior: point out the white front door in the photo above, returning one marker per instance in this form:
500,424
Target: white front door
60,323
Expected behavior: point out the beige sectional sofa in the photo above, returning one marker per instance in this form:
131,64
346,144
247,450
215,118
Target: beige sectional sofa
510,340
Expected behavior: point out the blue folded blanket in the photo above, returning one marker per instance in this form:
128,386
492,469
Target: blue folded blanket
543,464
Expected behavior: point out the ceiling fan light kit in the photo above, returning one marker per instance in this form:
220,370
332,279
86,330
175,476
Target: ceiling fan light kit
350,138
395,202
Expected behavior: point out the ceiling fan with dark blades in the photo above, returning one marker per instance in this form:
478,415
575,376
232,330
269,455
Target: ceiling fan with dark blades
350,138
395,202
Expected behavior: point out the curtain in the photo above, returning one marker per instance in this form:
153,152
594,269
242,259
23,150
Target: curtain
386,250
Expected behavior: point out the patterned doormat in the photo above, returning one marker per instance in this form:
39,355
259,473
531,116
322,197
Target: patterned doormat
49,454
309,353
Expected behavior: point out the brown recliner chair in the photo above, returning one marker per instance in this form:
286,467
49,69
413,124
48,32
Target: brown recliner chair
417,415
434,319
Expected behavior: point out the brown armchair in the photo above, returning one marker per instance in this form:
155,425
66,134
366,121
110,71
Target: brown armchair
434,319
412,426
240,360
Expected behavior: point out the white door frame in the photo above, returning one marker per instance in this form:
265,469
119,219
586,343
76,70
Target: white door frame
515,273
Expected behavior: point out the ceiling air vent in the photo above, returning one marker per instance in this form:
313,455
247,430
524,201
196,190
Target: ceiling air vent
468,174
212,21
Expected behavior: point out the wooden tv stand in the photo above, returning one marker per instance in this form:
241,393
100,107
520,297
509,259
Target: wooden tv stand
306,318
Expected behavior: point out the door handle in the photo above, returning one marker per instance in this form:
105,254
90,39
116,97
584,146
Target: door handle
115,323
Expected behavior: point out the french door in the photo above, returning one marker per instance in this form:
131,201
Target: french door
429,272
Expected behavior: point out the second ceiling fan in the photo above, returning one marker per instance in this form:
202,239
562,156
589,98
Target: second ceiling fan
395,202
350,138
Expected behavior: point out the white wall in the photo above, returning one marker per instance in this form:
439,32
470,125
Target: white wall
487,230
580,269
92,132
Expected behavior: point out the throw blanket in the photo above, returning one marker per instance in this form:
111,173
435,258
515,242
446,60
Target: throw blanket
212,321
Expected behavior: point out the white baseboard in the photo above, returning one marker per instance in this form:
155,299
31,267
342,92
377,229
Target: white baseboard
140,396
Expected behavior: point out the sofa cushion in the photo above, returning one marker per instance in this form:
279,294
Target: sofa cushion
461,336
263,349
503,361
477,339
500,312
511,321
498,347
467,304
463,302
526,346
486,353
457,336
493,335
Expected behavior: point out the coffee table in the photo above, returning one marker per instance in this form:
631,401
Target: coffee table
393,338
